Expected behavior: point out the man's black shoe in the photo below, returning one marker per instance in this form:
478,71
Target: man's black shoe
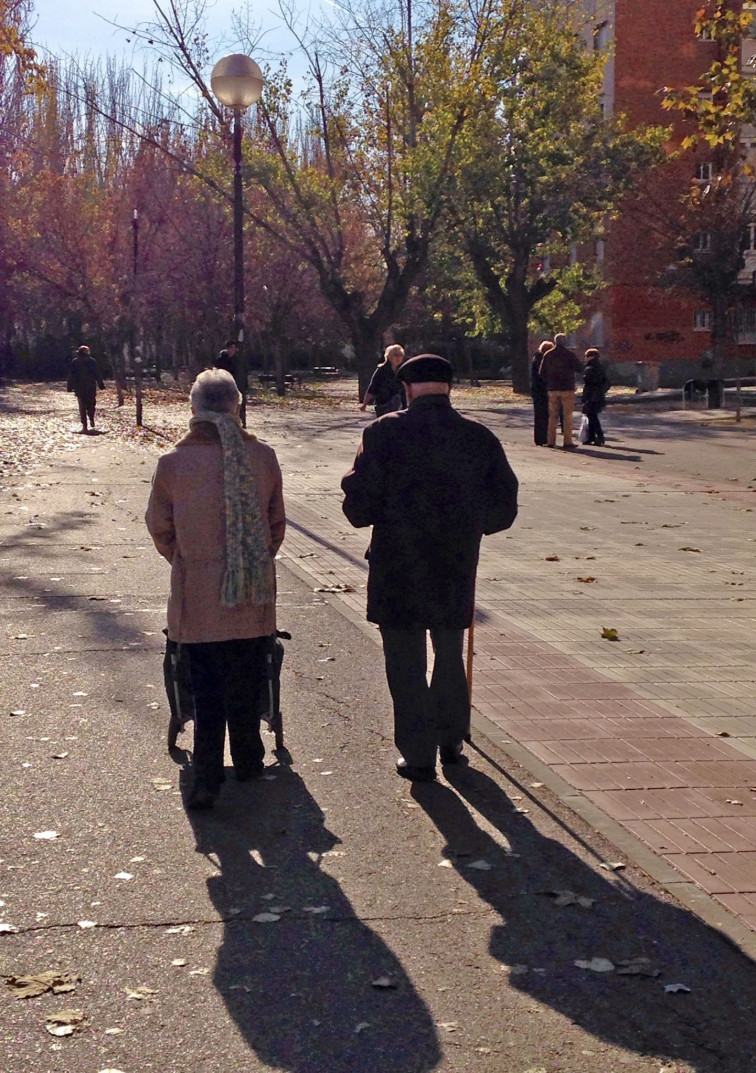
452,754
415,774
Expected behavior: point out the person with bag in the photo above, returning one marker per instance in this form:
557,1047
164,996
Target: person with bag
431,483
595,385
384,390
216,513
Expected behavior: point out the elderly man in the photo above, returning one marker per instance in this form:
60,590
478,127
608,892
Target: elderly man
431,483
558,368
216,513
84,379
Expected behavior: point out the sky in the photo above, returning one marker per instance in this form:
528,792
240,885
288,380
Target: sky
65,27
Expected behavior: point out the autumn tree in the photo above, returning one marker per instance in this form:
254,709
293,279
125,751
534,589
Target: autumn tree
542,168
707,228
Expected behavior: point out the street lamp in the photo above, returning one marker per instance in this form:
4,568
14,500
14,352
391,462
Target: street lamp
237,82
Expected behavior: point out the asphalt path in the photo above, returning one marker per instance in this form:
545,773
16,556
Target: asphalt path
417,928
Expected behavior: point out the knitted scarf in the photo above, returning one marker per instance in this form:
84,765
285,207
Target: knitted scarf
249,577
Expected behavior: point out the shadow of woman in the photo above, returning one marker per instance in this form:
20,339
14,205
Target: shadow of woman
301,988
521,872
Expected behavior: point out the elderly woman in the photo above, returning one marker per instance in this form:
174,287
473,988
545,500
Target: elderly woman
384,391
216,513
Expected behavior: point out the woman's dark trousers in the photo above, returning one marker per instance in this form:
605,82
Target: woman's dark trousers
540,417
227,677
595,431
426,716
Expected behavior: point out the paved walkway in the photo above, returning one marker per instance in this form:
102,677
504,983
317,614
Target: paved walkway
653,735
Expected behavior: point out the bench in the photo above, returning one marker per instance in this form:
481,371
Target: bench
326,370
290,379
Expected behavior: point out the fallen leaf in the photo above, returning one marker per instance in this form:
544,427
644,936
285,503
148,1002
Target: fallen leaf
179,962
596,965
568,897
316,910
450,1026
672,989
637,967
123,875
162,784
612,866
180,929
445,864
552,559
481,865
690,549
86,924
733,801
112,1032
20,637
587,528
41,982
199,972
536,785
266,918
586,580
65,1022
609,634
361,1027
384,983
59,756
80,693
18,711
334,588
46,836
139,994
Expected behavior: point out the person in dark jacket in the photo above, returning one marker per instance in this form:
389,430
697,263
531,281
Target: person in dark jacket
84,379
540,395
384,391
227,359
558,368
595,384
431,483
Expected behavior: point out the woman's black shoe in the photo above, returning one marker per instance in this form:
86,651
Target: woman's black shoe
415,774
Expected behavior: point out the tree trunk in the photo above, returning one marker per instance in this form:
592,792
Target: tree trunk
519,311
718,334
367,345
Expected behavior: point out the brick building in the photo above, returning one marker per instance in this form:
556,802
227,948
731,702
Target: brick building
653,45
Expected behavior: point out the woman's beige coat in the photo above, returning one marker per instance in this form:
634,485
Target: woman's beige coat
186,519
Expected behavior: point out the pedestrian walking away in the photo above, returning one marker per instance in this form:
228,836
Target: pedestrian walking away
431,483
216,513
540,395
558,368
227,360
595,385
385,391
83,379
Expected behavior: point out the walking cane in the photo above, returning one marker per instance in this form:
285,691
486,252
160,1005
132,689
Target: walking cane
470,643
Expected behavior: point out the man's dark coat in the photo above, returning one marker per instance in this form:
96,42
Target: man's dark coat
84,377
431,483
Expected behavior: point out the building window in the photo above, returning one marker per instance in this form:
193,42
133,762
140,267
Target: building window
600,249
704,171
702,241
702,320
749,238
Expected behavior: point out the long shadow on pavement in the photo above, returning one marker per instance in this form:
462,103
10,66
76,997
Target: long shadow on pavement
710,1027
300,989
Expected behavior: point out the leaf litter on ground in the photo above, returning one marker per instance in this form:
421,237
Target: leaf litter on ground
42,982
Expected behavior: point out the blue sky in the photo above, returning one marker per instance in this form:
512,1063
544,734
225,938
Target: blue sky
83,26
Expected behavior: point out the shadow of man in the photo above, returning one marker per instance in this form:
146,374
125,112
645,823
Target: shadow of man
522,874
301,988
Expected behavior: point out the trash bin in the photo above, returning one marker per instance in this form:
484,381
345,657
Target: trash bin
714,394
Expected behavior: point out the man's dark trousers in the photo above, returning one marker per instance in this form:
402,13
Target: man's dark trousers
426,716
226,681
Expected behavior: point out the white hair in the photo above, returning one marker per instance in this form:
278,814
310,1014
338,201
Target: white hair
560,339
215,390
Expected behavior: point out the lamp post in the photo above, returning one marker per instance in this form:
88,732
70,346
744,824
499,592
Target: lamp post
237,82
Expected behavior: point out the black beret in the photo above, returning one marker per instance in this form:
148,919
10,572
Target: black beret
425,369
